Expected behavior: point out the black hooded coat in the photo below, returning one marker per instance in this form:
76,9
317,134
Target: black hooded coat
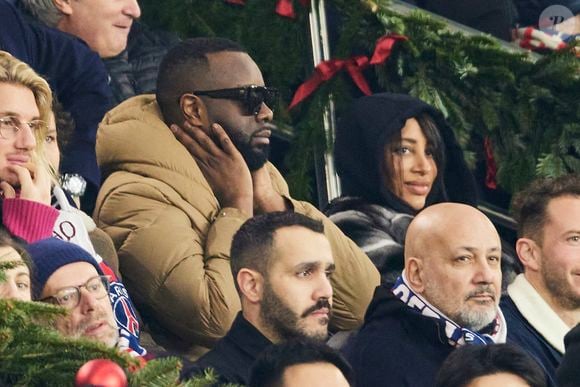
374,218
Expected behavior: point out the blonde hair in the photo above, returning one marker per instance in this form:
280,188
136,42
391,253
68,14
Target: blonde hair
16,72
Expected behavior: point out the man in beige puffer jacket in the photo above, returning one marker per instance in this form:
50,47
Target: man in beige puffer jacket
184,169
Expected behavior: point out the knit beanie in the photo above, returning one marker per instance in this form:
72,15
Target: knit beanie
49,255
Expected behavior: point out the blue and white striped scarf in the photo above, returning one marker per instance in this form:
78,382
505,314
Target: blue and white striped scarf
456,335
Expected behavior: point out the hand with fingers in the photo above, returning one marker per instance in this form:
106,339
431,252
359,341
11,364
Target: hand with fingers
35,184
266,198
221,163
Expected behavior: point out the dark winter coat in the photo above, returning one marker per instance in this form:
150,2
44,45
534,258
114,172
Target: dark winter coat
569,370
397,346
233,356
134,71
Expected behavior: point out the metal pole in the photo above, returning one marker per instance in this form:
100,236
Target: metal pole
321,51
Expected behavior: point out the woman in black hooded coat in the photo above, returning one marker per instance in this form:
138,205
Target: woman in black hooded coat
376,210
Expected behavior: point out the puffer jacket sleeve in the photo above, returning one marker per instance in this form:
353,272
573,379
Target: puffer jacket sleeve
176,272
355,278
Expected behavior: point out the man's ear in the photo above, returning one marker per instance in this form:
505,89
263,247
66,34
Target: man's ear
251,284
193,109
528,253
414,274
63,6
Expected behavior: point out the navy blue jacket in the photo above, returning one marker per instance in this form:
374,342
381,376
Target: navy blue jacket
76,75
522,334
396,346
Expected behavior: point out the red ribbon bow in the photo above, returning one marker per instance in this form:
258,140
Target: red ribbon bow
283,7
327,69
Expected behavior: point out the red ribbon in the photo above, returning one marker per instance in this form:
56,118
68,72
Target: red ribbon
384,46
286,8
283,7
490,166
327,69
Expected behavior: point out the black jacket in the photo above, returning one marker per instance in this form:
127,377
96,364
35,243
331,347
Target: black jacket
569,371
134,71
397,346
233,356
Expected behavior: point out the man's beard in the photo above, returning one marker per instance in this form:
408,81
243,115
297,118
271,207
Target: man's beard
284,322
474,319
558,287
255,157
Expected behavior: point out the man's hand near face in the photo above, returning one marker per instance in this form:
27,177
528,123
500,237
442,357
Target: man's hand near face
266,198
35,184
221,163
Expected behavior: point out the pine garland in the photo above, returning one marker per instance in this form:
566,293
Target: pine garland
34,354
528,109
31,354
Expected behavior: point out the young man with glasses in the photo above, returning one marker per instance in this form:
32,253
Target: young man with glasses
184,169
64,274
25,101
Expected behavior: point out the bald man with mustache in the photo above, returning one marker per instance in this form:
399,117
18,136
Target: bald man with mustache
446,297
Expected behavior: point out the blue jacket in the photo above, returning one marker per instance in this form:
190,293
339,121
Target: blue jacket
76,75
522,334
396,346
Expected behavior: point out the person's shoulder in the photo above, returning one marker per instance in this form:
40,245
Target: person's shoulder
134,107
507,306
385,317
143,38
515,321
392,350
519,330
220,361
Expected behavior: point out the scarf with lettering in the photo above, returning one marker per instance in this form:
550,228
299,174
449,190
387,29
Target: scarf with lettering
457,336
71,227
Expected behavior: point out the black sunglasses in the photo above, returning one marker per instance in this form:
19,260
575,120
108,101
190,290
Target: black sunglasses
251,96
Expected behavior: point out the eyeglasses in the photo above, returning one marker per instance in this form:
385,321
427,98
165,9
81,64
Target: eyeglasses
70,297
251,96
11,125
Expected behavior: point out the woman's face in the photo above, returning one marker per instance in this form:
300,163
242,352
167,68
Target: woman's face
410,167
17,284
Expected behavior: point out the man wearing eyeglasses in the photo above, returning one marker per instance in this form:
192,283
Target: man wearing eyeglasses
184,170
64,274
